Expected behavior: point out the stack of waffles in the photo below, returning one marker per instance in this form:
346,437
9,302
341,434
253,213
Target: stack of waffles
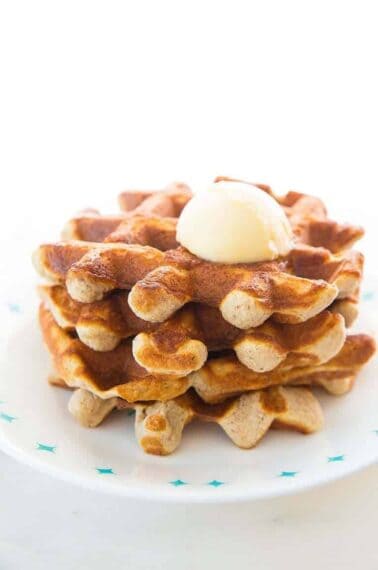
133,320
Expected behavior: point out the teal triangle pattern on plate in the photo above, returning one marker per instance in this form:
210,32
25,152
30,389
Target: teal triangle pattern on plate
44,447
288,474
105,470
368,296
215,483
336,458
178,483
14,307
7,417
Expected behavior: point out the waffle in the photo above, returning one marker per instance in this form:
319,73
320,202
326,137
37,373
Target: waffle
145,223
148,218
109,374
245,419
293,289
151,219
168,202
117,374
133,320
221,378
180,345
309,221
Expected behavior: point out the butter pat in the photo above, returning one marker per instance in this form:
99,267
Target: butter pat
233,222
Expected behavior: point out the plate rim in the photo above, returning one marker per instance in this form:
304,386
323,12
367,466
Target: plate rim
157,494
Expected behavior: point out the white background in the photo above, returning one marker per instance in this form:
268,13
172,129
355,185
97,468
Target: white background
99,96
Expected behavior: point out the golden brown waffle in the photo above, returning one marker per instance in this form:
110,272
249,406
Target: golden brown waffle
292,289
151,219
148,218
245,419
144,224
347,307
168,348
168,202
224,377
156,231
100,325
116,373
308,218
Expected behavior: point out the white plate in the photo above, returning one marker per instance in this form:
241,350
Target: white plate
36,428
